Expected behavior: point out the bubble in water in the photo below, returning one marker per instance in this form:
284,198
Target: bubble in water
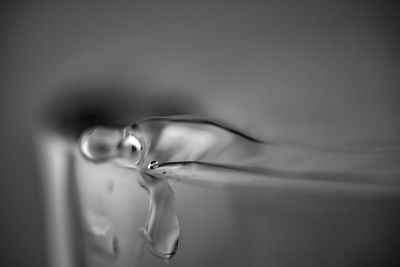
131,149
106,144
100,143
152,165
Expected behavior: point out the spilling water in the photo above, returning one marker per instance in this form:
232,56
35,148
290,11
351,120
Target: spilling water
194,151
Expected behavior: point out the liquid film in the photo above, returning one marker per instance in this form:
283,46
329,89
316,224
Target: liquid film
208,153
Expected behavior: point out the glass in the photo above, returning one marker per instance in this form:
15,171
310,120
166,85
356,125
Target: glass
230,212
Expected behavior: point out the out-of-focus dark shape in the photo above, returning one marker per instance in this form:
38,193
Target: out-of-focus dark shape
78,108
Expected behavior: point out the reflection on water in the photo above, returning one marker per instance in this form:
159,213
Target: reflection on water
252,174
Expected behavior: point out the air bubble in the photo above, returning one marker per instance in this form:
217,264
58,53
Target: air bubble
152,165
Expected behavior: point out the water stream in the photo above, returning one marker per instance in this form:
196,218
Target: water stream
208,153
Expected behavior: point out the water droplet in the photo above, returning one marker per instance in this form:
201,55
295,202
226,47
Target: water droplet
100,144
152,165
130,145
106,144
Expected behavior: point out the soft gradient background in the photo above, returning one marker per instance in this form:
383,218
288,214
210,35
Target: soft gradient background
317,71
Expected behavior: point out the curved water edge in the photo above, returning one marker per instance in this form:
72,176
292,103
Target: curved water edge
207,153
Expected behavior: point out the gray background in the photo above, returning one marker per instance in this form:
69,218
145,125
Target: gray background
320,71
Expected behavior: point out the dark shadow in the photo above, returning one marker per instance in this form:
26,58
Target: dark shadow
82,106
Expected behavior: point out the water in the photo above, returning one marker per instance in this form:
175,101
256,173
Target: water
170,151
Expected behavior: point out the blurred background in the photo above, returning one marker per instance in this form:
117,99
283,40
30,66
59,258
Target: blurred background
313,71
